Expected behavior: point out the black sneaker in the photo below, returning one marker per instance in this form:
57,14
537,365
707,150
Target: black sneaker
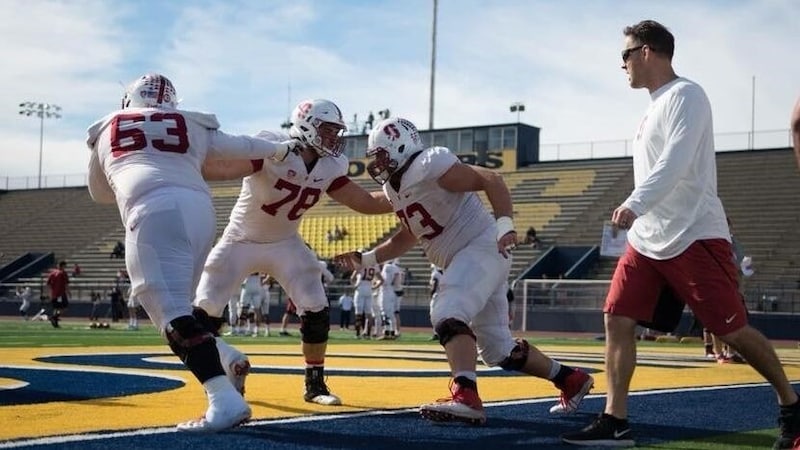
605,431
789,425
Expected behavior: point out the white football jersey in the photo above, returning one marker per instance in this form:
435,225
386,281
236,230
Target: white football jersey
327,276
365,277
436,276
390,273
252,284
274,198
144,149
444,222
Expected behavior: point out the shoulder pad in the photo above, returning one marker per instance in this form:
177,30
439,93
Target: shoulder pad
205,119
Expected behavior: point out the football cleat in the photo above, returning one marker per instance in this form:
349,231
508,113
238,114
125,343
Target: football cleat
235,363
463,406
217,420
317,392
575,387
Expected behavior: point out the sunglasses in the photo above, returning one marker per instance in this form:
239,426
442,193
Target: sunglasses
626,54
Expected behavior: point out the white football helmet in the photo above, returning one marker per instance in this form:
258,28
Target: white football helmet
391,143
151,90
319,124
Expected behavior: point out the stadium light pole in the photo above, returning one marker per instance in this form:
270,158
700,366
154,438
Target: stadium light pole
433,65
42,111
517,107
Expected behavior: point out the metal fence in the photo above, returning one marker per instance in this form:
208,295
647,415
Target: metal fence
590,294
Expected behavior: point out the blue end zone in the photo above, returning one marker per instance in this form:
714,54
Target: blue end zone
655,418
139,361
50,385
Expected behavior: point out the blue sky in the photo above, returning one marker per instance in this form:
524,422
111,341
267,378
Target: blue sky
250,61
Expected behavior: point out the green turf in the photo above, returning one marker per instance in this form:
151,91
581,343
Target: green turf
761,439
17,333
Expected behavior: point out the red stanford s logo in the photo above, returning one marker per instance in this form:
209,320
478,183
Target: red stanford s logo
391,131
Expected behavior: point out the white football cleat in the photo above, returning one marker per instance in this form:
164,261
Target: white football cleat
218,419
235,363
328,400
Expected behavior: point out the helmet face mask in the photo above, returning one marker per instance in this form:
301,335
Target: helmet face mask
151,90
319,125
389,146
382,166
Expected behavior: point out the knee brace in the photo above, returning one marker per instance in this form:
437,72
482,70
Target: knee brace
518,357
314,326
195,346
449,328
210,324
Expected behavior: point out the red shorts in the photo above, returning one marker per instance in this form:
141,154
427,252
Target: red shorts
704,277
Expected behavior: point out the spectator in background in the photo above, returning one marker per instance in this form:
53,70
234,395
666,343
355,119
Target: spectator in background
121,279
345,310
291,311
436,277
58,282
96,299
341,233
24,294
531,239
510,298
76,270
117,303
118,252
795,127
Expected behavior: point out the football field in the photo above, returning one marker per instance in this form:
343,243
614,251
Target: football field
83,388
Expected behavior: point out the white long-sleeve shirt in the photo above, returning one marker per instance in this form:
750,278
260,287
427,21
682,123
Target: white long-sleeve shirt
675,174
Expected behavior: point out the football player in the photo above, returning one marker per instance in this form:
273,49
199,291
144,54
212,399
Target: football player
433,283
147,157
387,299
398,283
262,233
362,279
433,194
253,295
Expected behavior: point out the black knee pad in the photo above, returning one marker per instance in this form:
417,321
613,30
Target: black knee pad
449,328
195,346
210,324
315,326
518,357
